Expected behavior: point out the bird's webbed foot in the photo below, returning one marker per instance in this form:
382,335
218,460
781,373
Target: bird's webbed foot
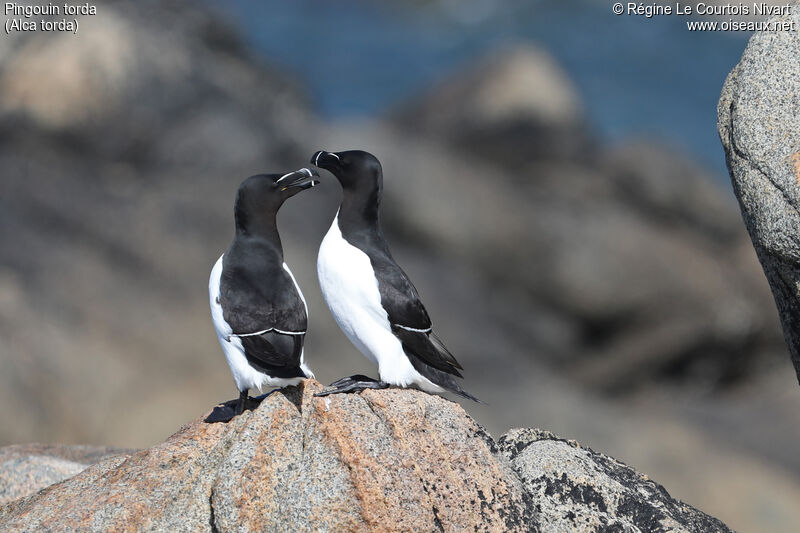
355,383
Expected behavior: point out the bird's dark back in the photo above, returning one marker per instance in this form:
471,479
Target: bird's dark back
256,292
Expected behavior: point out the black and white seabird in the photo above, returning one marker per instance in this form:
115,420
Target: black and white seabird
257,307
369,295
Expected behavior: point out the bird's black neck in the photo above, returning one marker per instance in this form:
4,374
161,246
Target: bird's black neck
260,230
360,211
359,222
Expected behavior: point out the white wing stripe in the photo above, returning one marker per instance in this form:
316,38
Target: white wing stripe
276,330
297,287
428,330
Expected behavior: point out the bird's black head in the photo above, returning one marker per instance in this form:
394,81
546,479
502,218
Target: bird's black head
355,169
261,196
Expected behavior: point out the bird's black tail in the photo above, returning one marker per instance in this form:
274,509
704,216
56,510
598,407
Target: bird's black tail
458,391
442,379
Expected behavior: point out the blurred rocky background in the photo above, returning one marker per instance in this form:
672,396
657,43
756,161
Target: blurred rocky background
594,277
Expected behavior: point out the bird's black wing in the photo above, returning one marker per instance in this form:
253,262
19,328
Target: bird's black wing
408,317
260,297
276,354
428,348
263,307
257,293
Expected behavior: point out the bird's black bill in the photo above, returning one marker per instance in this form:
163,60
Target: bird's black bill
326,160
300,179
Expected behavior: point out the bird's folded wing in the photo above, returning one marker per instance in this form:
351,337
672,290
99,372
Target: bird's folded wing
400,300
254,318
408,317
253,308
427,347
411,324
274,353
272,342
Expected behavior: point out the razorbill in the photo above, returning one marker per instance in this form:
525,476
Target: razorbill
369,295
258,310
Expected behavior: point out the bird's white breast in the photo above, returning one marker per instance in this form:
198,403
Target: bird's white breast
350,289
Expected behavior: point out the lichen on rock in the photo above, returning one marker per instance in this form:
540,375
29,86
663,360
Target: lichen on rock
578,489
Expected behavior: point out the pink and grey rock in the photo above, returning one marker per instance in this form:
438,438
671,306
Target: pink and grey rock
388,460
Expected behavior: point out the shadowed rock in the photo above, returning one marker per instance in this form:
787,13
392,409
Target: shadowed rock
389,460
759,124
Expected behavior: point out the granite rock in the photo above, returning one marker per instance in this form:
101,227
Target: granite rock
26,468
389,460
578,489
759,124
